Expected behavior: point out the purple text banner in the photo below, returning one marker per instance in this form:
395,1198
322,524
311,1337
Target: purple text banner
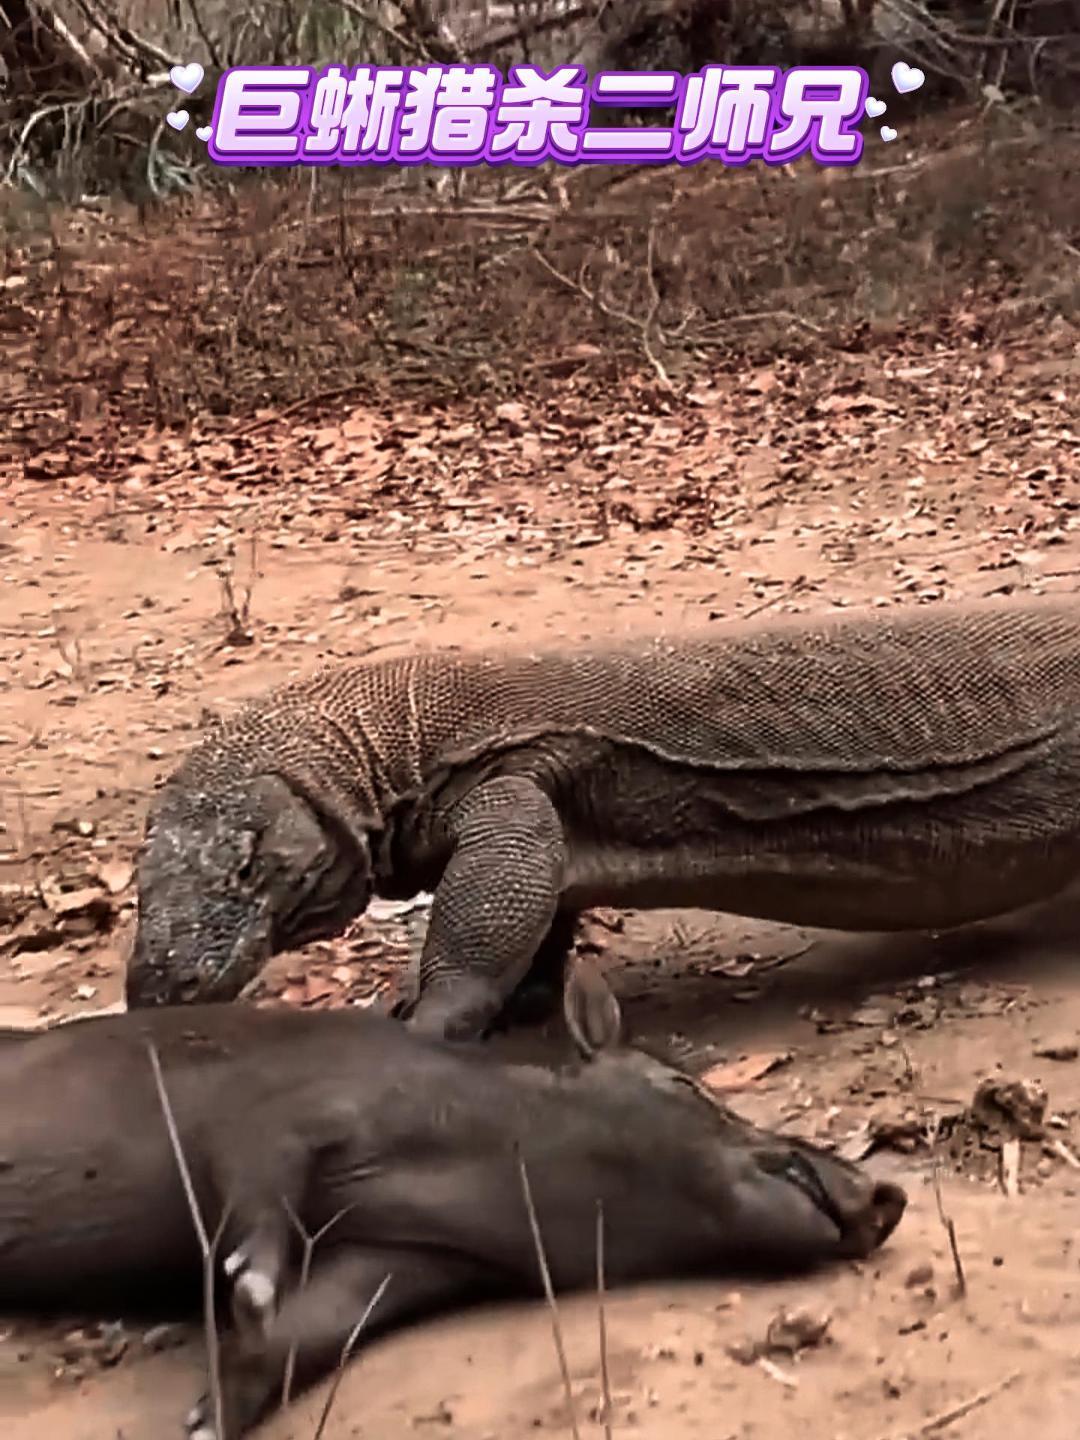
454,115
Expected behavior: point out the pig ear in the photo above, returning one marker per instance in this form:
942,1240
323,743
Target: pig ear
591,1010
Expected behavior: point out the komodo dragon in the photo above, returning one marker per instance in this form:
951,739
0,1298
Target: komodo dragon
911,769
347,1115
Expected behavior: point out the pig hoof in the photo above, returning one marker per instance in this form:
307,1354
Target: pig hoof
235,1262
197,1425
253,1298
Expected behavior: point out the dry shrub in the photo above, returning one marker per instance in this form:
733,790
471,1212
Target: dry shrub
271,292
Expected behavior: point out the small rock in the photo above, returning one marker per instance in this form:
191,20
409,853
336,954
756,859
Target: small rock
1058,1049
116,876
793,1330
513,414
33,934
789,1331
873,1015
744,1351
441,1415
920,1275
665,1350
163,1337
71,825
112,1344
1017,1107
75,902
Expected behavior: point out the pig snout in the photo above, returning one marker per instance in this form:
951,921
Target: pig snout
817,1205
868,1225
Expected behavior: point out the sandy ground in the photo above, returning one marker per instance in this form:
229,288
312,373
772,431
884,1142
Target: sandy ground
112,646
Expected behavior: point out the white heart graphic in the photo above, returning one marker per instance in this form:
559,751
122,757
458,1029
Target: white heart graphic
887,133
177,119
204,132
874,108
906,77
187,78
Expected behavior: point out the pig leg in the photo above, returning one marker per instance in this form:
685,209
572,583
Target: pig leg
318,1320
260,1173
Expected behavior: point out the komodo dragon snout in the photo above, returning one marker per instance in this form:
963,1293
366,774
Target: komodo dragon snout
228,878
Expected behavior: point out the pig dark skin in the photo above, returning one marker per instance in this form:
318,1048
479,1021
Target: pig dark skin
416,1147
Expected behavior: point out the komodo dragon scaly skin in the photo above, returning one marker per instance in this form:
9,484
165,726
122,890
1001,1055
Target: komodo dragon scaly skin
858,771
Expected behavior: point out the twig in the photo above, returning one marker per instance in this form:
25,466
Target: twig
606,308
132,48
937,1423
1059,1148
410,44
605,1378
238,616
946,1219
528,29
319,397
797,586
346,1352
549,1292
309,1242
1010,1168
34,120
774,1372
204,36
654,306
922,162
207,1244
751,317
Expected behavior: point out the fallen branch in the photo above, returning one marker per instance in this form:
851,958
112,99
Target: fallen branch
528,30
549,1292
605,1378
237,614
946,1219
136,51
346,1352
624,317
207,1244
939,1422
309,1243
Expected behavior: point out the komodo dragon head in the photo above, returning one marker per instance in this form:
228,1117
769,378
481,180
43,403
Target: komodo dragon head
229,876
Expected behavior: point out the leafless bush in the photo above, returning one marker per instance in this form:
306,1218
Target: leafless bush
286,295
988,48
435,277
86,117
236,611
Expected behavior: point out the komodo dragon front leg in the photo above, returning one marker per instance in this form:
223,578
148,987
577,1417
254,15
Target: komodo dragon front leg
495,905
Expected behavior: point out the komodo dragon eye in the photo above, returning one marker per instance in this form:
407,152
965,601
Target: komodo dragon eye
243,867
246,869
